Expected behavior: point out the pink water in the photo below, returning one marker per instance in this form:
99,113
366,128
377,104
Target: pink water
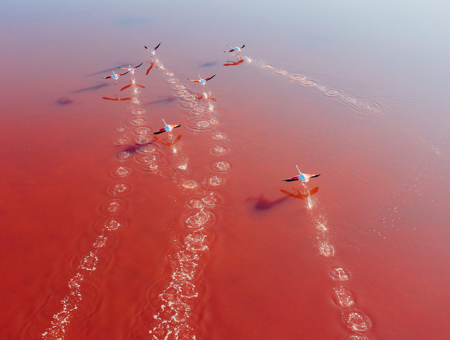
109,233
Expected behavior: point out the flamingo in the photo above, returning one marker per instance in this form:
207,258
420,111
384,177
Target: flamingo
131,69
115,76
152,51
117,98
166,127
302,177
202,81
238,49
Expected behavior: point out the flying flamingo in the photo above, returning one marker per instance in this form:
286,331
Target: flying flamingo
202,81
117,98
302,177
166,128
115,76
152,51
233,49
131,69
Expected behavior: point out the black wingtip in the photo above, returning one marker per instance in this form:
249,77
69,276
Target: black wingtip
158,132
146,47
243,46
315,176
157,46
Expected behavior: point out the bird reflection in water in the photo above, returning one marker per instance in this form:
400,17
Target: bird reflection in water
168,143
151,66
117,98
300,195
234,63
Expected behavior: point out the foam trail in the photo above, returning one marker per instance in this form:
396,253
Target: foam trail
363,106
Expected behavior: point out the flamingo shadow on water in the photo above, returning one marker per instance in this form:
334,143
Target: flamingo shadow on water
135,147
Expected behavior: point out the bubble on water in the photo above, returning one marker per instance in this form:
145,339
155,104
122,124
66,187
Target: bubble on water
219,136
172,80
211,200
221,166
321,227
138,111
142,130
147,149
189,184
122,141
281,72
343,297
138,121
356,321
113,223
196,204
100,241
119,190
121,172
114,207
215,181
121,128
199,219
219,150
124,155
144,139
268,66
339,274
89,262
326,249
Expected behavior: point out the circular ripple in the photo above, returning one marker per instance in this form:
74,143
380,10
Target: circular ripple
169,74
189,184
281,72
221,166
179,87
149,158
330,92
356,321
195,203
200,124
121,172
268,66
143,130
144,139
172,80
147,149
124,155
199,110
297,77
113,207
343,297
121,141
200,219
138,121
326,249
339,274
121,128
152,166
120,189
219,150
212,200
219,136
111,224
138,111
215,181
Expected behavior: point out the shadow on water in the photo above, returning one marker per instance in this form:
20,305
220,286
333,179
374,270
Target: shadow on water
64,101
264,204
135,147
165,100
91,88
209,64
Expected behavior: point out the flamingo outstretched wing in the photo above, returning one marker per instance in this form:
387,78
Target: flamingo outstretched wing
295,178
210,77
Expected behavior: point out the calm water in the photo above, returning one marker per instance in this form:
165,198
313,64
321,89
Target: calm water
111,233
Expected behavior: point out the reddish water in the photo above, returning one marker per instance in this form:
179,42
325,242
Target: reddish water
109,233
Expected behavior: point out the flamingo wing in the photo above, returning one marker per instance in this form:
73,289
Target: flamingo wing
312,175
210,77
157,46
107,77
121,74
135,66
160,131
194,80
295,178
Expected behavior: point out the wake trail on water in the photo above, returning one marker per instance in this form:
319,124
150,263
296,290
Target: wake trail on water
363,106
